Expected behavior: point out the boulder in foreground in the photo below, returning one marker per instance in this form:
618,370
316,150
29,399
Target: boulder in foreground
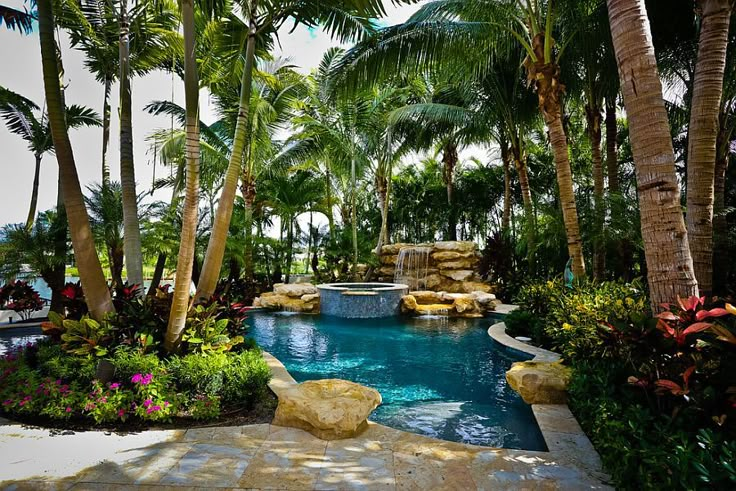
330,409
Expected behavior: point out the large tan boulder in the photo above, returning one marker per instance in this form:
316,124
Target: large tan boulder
427,296
465,304
408,303
330,409
540,382
389,259
275,301
467,263
458,275
484,299
393,249
442,256
455,246
476,286
387,271
294,290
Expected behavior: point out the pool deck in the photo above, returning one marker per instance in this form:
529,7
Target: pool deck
271,457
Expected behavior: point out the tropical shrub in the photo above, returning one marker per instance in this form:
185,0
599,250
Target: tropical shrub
570,315
245,378
20,297
206,333
128,362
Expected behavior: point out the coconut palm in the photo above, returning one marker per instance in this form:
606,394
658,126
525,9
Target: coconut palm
715,16
20,118
16,18
437,37
669,263
345,20
90,271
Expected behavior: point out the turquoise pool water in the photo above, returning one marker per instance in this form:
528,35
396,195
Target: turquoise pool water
439,377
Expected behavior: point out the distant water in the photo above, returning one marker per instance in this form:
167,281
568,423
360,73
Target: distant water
443,378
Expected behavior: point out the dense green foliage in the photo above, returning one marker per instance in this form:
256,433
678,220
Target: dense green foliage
655,395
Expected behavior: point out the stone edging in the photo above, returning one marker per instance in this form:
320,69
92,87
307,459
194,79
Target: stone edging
561,431
498,333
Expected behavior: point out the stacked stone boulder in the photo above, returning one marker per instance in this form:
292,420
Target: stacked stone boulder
294,297
453,266
469,305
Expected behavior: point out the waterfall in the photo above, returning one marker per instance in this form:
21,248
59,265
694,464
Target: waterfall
412,267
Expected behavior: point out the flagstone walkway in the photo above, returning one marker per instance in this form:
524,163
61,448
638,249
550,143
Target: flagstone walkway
269,457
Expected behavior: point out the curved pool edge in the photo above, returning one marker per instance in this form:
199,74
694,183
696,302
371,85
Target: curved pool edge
560,429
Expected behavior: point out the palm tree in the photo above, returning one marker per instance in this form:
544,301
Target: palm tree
96,292
669,264
437,36
18,113
187,244
345,20
715,16
15,18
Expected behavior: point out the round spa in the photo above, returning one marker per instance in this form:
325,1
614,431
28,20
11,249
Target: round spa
361,300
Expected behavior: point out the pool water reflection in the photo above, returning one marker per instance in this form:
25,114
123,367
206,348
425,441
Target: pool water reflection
443,378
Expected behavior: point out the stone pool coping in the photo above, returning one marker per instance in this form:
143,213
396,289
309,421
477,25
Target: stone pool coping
563,435
561,431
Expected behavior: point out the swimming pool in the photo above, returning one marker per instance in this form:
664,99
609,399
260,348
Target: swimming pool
439,377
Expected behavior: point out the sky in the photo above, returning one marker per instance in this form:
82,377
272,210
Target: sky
21,73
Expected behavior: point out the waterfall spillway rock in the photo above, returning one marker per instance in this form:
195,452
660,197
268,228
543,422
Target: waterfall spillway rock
412,267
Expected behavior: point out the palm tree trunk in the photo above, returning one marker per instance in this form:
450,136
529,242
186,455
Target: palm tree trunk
505,158
184,266
720,224
131,228
96,292
249,197
382,189
158,273
289,247
354,214
34,193
593,115
106,132
309,242
450,159
703,130
330,205
611,157
58,275
218,238
526,197
558,141
669,265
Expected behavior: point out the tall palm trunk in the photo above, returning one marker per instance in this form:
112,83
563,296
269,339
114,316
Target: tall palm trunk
58,275
218,238
184,265
705,107
593,116
354,213
546,78
289,247
34,193
158,273
106,132
669,264
611,142
720,224
131,228
526,197
449,160
383,186
96,293
249,195
505,158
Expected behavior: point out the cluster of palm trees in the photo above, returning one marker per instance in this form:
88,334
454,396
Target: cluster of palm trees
541,82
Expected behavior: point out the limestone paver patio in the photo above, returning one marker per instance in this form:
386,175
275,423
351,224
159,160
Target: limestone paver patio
270,457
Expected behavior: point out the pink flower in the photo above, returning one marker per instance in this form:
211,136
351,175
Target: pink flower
121,413
7,402
136,378
147,379
166,403
152,409
114,386
147,402
68,409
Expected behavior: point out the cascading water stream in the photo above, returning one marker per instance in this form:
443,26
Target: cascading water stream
412,267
